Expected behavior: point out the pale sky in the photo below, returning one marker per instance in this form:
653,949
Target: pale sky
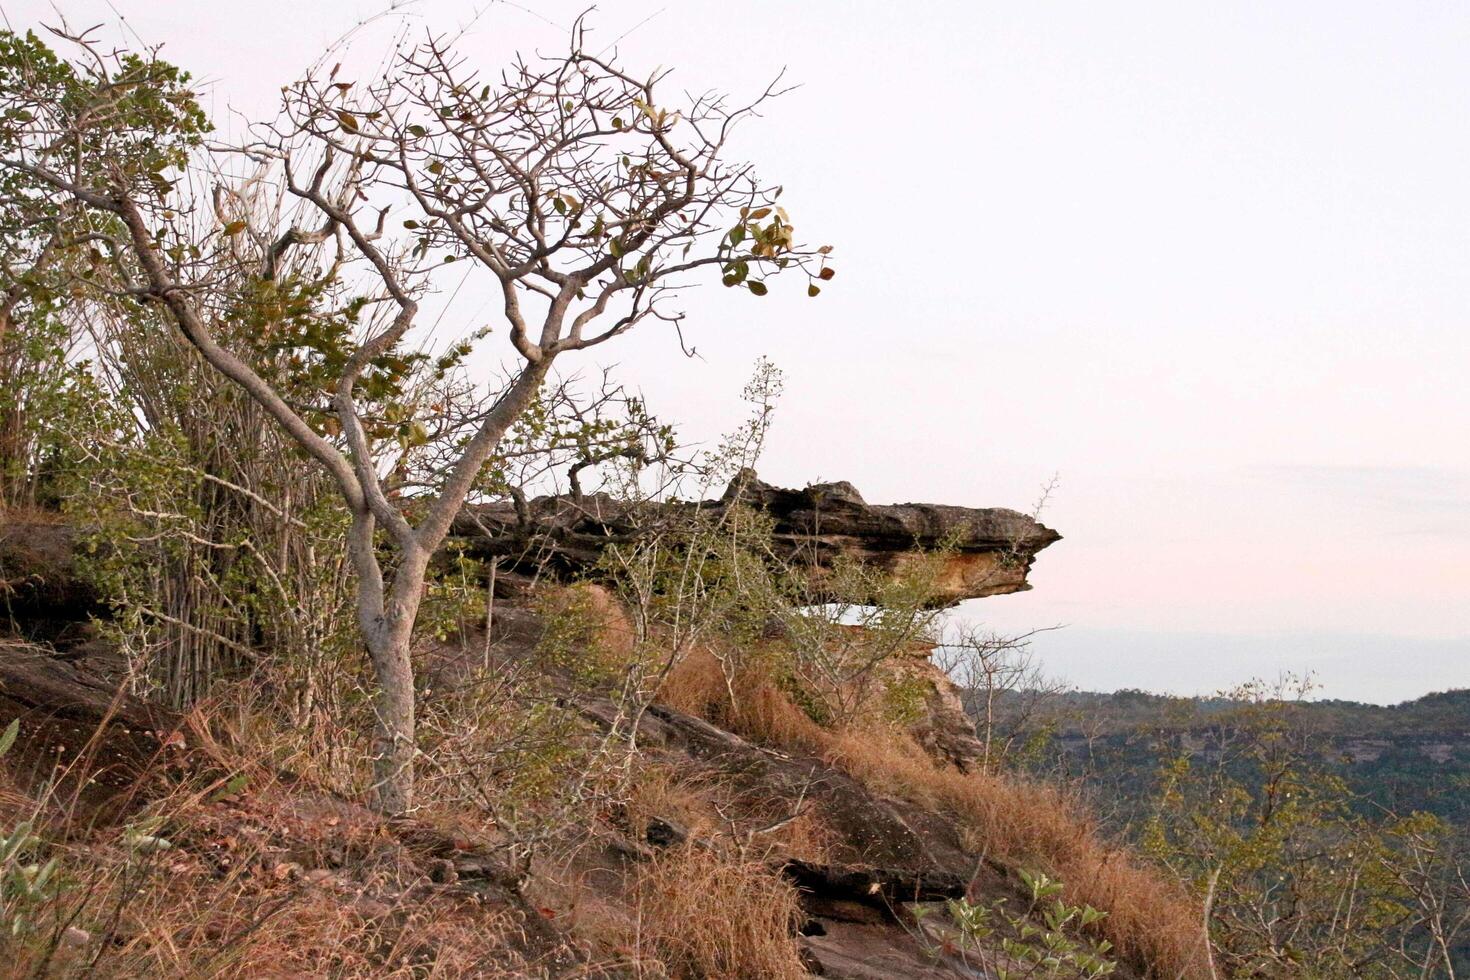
1209,263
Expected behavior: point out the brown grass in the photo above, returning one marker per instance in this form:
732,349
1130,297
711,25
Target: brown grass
760,711
232,906
1152,922
661,791
713,812
23,513
273,879
704,916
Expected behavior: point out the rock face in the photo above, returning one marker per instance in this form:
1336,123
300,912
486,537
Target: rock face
990,550
92,742
878,857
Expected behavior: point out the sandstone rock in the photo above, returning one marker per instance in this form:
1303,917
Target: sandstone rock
95,741
946,731
990,550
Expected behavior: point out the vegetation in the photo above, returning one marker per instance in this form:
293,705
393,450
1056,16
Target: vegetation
1026,949
599,198
1326,838
334,738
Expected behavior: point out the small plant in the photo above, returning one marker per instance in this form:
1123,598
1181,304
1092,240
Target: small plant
25,882
1047,941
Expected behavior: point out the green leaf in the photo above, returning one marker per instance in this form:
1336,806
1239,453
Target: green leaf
737,234
417,130
410,224
237,783
7,737
758,288
813,290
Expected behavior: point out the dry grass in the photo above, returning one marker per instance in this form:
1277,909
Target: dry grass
712,812
700,915
660,791
232,905
1152,922
760,711
235,871
21,513
584,628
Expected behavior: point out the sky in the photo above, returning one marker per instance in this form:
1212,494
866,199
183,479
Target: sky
1206,264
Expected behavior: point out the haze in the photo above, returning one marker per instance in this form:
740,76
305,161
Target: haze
1207,263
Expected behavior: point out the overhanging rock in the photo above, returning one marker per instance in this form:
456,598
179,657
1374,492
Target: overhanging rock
989,551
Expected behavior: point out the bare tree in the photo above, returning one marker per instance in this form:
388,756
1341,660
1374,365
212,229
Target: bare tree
581,197
1003,688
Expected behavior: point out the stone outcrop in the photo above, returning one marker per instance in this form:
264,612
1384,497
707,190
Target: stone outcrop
985,551
988,551
88,740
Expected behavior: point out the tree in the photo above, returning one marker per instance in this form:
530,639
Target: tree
1294,881
566,183
1003,689
138,126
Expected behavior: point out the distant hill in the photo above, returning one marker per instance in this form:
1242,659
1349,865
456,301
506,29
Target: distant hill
1409,756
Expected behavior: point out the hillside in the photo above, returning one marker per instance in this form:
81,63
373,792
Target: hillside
740,838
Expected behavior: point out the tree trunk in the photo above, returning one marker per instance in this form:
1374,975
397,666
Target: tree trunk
393,730
387,628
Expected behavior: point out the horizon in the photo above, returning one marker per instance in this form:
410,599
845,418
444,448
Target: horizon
1208,266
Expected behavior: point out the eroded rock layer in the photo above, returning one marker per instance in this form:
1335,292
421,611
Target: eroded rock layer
988,551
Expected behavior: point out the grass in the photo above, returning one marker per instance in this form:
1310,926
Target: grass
269,878
700,914
22,513
1152,921
759,711
224,876
234,869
